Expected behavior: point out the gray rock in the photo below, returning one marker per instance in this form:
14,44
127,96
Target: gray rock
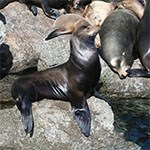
25,35
56,129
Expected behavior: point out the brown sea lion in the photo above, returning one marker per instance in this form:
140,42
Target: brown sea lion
49,7
73,81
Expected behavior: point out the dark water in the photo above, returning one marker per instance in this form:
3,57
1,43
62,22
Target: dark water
132,117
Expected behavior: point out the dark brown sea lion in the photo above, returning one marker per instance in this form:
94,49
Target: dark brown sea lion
50,7
118,35
73,81
6,60
143,44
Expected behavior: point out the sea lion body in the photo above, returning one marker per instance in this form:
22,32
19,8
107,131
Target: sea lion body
96,12
118,35
72,81
143,44
49,6
144,37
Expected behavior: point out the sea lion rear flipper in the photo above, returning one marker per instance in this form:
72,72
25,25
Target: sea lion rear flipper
57,32
25,107
83,119
138,73
48,11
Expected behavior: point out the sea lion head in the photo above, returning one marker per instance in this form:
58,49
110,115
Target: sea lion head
62,26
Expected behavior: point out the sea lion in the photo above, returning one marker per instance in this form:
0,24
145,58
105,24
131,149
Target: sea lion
82,3
72,81
49,7
6,60
143,44
96,12
118,35
135,6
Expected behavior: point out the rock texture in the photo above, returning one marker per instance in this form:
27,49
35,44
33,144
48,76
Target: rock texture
56,129
25,35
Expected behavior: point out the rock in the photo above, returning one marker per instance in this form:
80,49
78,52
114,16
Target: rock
56,129
127,88
25,35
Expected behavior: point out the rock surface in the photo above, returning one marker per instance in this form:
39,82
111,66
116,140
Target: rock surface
56,129
25,35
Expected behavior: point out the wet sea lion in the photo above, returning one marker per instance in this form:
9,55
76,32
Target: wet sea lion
73,81
6,60
143,44
49,7
118,35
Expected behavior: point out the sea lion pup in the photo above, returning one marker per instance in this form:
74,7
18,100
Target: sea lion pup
143,44
6,60
118,35
72,81
49,7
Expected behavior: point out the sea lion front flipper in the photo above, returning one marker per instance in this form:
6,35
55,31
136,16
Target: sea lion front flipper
25,107
33,9
57,32
138,73
83,119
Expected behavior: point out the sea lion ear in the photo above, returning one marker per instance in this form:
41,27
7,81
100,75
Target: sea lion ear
56,33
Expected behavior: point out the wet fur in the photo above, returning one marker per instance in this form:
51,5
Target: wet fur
73,81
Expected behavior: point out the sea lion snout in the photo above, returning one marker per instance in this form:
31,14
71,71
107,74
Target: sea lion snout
120,67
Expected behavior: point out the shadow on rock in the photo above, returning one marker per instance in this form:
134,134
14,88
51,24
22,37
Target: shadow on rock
2,18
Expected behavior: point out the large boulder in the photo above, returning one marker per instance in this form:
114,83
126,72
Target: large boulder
25,35
56,129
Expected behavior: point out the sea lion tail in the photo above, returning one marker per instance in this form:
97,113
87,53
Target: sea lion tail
83,119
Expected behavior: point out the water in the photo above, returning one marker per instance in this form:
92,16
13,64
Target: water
132,117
